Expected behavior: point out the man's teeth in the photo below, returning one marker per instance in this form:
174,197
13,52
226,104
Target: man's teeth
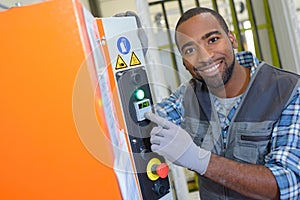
212,68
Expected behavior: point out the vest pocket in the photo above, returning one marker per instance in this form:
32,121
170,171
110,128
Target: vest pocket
245,152
256,138
252,145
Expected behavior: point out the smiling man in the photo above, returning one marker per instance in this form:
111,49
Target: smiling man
208,53
239,117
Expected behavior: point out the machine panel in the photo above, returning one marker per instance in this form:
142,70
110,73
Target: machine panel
131,83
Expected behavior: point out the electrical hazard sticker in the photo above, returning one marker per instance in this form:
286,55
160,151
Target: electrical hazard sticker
120,64
134,60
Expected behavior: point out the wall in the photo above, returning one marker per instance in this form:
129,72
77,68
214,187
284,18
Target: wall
297,3
111,7
286,27
11,3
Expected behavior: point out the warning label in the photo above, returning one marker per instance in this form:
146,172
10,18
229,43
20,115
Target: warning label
123,45
120,64
134,60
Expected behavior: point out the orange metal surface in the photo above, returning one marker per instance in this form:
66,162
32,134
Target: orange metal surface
42,155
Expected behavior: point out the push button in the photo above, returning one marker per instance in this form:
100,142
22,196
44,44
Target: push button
161,170
156,169
159,189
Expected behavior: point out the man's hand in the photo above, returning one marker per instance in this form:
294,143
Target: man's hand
176,145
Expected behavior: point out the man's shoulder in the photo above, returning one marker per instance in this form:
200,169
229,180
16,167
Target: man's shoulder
266,68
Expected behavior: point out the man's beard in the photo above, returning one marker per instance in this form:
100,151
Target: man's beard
217,81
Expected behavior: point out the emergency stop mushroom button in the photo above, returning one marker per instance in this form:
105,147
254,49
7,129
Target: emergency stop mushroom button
156,169
161,170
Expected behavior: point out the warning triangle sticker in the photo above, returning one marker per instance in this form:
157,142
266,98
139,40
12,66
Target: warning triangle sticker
134,60
120,64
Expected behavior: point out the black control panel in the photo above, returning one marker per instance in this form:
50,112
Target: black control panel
136,99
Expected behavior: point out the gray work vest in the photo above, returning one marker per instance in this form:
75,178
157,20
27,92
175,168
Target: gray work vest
250,132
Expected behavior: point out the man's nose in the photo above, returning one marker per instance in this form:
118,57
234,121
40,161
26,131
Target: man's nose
205,54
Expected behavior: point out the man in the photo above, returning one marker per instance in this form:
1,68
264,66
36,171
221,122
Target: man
240,118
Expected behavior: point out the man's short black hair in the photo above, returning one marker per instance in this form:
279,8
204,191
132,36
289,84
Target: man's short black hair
199,10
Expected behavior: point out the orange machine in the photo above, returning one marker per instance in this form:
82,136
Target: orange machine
74,91
44,50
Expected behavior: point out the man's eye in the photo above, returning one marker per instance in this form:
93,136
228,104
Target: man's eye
212,40
189,51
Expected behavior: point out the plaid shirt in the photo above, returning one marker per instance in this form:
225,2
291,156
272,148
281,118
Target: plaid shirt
284,157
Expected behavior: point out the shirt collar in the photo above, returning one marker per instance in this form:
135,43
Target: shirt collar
248,60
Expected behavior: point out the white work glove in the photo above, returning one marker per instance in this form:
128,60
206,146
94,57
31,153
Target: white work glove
176,145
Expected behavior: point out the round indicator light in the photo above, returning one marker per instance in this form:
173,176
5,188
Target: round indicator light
139,94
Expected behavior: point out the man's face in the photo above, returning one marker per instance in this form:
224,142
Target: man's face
206,49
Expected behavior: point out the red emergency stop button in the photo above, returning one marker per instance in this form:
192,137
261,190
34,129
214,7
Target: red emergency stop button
161,170
156,169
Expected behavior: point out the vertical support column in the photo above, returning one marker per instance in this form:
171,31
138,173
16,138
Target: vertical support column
197,3
152,57
95,8
215,5
173,58
180,7
287,33
254,29
272,39
236,25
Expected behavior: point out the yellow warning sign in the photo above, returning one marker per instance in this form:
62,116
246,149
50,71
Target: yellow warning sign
120,64
134,60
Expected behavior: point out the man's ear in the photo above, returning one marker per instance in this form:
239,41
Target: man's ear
232,39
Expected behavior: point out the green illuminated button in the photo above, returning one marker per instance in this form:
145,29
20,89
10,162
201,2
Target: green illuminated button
139,94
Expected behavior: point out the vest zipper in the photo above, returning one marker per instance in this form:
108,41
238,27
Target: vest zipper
224,136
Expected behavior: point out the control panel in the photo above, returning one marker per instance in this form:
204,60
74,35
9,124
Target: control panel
135,95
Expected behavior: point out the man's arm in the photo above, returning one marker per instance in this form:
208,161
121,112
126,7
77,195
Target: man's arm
255,181
280,172
176,145
279,178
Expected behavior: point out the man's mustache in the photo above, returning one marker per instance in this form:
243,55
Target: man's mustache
202,65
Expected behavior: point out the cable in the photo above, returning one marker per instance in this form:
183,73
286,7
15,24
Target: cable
3,6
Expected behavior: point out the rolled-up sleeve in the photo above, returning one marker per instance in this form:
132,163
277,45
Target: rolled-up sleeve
171,107
284,157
